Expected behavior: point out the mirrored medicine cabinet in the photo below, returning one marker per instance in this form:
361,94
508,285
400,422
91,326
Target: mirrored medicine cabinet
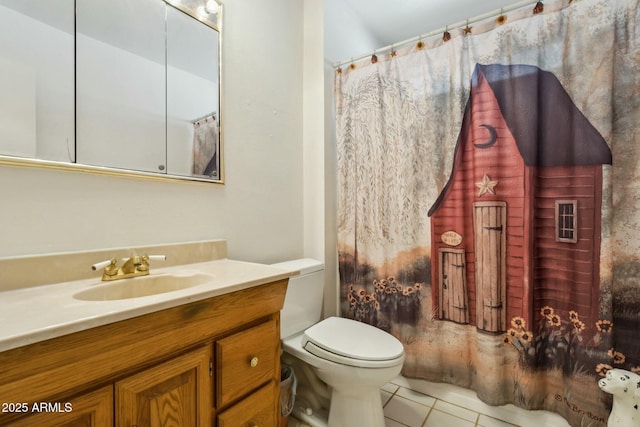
113,86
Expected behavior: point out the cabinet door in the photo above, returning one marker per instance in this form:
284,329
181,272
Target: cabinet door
254,411
175,393
93,409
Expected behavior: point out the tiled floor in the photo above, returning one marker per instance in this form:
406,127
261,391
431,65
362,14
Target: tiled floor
417,403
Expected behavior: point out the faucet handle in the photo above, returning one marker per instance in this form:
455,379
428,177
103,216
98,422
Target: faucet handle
110,267
102,264
144,265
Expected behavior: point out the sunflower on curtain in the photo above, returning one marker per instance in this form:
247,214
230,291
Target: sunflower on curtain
488,203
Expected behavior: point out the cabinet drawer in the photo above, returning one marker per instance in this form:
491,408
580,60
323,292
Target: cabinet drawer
245,361
257,410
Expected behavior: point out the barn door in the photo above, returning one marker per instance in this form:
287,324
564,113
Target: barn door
453,286
490,243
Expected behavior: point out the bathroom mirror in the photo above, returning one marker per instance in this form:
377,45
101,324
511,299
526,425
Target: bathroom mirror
114,86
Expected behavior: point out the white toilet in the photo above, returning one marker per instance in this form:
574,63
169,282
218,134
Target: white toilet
354,359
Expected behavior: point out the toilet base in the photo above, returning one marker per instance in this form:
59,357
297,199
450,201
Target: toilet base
304,416
356,407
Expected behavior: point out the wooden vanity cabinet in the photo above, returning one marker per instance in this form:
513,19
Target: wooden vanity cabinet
174,393
214,362
93,409
254,411
246,361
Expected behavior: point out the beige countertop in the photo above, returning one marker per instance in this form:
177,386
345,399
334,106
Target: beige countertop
38,313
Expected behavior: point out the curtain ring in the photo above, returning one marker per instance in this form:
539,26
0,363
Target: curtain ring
446,36
467,29
539,8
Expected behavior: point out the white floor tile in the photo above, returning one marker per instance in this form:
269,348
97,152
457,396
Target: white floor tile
388,422
442,419
385,396
406,411
390,387
538,418
416,396
402,381
467,399
485,421
456,410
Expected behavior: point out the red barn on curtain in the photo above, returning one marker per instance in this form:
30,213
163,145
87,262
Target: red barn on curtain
518,225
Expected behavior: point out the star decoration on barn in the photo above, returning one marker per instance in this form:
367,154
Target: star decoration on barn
486,186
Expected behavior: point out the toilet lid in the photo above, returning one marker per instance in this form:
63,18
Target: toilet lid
351,342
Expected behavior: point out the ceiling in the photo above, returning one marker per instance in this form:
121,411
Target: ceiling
392,21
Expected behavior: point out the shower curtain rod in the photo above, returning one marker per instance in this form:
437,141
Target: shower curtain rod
212,114
478,18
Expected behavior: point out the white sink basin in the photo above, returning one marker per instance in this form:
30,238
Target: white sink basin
142,286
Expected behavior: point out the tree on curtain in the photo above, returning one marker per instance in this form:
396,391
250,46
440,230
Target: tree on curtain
488,199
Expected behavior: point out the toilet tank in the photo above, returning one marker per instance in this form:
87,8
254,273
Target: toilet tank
303,300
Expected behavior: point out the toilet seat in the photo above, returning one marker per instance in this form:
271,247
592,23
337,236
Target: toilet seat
357,344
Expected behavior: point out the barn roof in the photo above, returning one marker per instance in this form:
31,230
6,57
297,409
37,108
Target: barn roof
548,128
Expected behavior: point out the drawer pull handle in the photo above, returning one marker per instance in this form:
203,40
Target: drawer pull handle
254,362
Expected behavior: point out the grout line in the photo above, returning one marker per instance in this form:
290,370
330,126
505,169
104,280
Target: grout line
393,419
432,407
477,414
428,414
411,400
392,396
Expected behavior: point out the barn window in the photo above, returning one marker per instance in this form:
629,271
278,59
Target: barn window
567,221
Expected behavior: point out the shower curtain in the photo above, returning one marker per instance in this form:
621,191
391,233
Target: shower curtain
205,147
489,203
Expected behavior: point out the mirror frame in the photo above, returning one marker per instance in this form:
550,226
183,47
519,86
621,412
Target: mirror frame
104,170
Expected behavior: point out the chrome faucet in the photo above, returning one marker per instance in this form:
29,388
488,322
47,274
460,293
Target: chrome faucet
133,267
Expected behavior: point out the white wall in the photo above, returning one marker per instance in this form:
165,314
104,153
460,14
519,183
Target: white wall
313,130
318,237
18,112
40,111
259,210
119,123
358,27
188,97
346,35
120,106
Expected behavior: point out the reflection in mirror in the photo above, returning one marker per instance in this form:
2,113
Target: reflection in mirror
142,95
207,11
120,84
36,79
192,97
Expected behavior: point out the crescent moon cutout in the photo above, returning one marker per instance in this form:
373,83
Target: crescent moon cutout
492,139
